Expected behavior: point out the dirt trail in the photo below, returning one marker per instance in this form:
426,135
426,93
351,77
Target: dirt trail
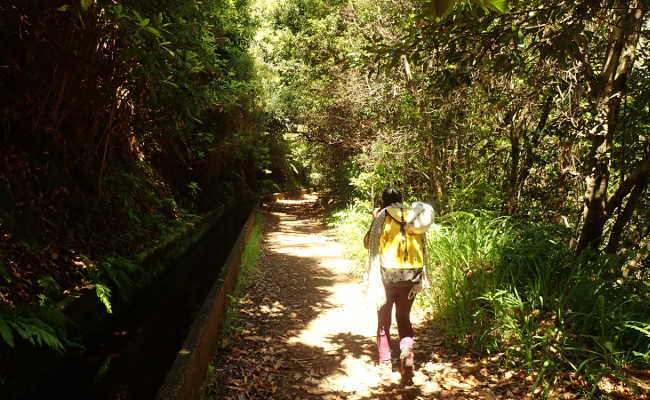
305,332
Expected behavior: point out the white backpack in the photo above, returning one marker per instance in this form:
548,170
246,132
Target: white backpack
418,218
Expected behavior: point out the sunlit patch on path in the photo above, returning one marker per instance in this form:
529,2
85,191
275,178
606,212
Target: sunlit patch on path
303,330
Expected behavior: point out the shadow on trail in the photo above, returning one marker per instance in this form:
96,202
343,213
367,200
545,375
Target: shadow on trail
354,345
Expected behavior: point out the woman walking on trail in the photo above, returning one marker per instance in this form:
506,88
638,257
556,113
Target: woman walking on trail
394,276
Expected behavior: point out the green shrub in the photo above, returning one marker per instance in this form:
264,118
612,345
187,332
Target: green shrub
517,289
462,254
351,225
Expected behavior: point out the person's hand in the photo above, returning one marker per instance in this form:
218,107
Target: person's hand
375,212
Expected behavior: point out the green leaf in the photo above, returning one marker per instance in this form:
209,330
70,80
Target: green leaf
5,332
438,8
4,273
85,4
498,5
64,7
153,31
104,294
640,329
37,332
170,83
49,284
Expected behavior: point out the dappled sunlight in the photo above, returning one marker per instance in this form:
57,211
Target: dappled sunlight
345,324
306,331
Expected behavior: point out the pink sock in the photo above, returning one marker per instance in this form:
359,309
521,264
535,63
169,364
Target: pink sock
406,343
383,345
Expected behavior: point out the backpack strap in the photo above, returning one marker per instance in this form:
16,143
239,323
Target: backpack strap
402,225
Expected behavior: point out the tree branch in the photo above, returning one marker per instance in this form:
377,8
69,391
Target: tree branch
625,215
637,176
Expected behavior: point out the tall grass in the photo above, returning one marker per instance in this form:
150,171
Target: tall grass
461,254
517,289
351,225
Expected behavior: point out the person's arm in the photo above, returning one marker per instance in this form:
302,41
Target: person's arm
366,238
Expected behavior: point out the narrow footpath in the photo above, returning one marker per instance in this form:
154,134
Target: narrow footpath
303,331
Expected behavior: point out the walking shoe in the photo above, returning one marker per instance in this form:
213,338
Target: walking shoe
406,361
385,370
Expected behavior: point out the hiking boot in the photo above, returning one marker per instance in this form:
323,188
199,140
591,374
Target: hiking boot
406,361
385,370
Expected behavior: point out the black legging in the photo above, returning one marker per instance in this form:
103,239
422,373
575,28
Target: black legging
397,295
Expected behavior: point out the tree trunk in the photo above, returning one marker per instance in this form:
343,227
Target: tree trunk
608,90
625,215
515,151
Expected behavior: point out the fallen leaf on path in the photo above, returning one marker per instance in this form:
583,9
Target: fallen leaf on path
453,383
257,338
488,395
472,380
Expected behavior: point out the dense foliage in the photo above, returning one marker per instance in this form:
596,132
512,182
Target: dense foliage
121,122
540,111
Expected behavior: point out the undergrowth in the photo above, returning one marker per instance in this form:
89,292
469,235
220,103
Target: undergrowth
525,294
517,290
351,225
251,254
44,326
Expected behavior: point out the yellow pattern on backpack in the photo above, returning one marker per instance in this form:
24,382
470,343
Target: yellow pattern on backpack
398,249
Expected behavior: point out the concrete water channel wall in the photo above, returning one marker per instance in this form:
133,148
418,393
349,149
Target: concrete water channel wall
162,336
129,354
186,376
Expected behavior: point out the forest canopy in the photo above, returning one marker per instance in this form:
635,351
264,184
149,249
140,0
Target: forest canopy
122,124
529,109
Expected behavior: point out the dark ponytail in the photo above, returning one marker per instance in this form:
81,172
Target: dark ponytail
390,196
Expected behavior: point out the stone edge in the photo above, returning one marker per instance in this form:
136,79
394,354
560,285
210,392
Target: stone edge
186,376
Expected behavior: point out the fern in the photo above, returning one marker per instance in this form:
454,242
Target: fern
104,295
118,271
39,330
112,273
36,332
5,332
643,328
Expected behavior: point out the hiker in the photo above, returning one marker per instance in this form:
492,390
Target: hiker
395,279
